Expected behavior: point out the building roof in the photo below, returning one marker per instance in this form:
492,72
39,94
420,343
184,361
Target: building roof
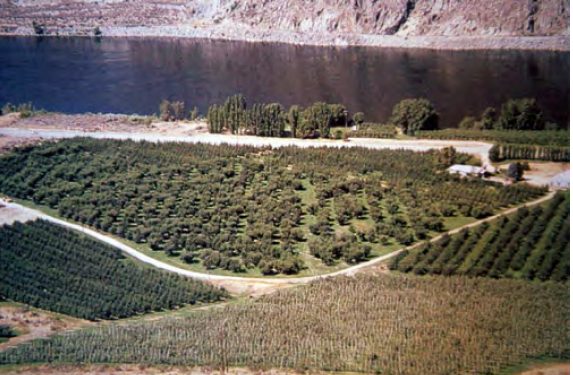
561,179
464,169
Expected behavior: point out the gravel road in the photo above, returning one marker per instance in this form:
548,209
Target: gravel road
479,149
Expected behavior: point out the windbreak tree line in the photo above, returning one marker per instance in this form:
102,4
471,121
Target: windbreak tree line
515,114
246,208
370,324
519,131
555,138
314,121
52,268
271,120
504,151
532,244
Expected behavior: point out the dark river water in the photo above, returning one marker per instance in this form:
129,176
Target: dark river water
133,75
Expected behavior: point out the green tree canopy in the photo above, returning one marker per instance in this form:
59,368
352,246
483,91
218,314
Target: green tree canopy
520,114
411,115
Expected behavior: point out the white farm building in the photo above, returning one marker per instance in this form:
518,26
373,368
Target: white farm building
466,170
561,180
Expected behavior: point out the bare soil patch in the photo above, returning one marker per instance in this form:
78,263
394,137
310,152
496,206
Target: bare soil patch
7,143
8,215
142,370
549,369
540,173
94,123
34,323
86,122
251,289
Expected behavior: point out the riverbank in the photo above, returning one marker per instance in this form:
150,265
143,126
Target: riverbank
237,32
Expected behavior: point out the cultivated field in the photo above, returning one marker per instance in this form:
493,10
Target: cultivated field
254,210
530,244
398,325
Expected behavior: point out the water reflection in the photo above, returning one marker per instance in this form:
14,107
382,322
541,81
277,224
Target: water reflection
134,75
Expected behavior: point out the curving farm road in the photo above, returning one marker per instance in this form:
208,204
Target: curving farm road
31,213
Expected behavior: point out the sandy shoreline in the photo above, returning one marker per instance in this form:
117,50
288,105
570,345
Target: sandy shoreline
235,32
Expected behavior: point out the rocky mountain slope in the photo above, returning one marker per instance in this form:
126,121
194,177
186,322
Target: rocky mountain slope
381,17
407,17
348,18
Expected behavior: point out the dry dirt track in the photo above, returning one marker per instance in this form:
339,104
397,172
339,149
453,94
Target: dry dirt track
479,149
218,279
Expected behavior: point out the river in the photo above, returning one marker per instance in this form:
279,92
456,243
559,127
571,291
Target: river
132,75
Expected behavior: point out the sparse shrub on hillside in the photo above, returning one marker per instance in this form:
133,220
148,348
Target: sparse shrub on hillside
172,111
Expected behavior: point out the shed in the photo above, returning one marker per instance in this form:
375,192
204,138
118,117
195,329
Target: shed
561,180
465,170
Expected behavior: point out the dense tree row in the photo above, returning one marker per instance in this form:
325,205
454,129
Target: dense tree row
518,117
514,114
530,244
386,325
49,267
271,120
519,132
505,151
526,137
240,208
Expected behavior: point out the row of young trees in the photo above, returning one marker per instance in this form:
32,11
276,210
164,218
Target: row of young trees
386,325
52,268
503,151
373,130
559,138
530,244
239,208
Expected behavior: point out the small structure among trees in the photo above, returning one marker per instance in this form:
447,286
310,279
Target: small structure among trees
562,180
515,172
467,170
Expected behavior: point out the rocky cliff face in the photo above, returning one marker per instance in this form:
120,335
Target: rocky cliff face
405,17
370,17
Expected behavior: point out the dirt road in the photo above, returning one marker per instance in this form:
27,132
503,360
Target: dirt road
479,149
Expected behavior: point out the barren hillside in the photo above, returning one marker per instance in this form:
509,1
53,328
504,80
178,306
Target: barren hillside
367,17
